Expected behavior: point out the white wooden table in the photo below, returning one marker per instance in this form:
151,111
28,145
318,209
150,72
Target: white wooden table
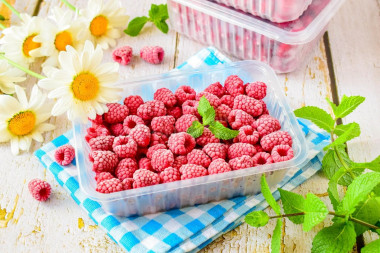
347,61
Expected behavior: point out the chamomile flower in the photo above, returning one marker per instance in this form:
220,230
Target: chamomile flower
83,85
105,21
22,121
8,77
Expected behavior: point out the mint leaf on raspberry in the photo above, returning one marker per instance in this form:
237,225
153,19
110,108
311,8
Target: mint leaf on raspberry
196,129
276,238
316,115
204,107
292,203
222,132
315,211
257,219
347,105
352,132
265,190
136,25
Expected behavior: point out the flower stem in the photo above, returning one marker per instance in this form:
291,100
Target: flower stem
11,8
72,7
14,64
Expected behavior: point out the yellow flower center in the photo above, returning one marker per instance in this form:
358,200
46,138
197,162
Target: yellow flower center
98,26
29,45
22,123
85,86
63,39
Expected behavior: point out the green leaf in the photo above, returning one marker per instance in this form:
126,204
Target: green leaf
162,25
316,115
315,211
265,190
209,117
205,109
367,211
341,129
374,165
352,132
373,247
276,237
292,203
332,105
347,105
222,132
135,26
339,238
2,18
257,219
196,129
333,187
158,12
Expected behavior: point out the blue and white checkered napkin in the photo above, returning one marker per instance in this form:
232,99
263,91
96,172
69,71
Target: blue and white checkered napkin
187,229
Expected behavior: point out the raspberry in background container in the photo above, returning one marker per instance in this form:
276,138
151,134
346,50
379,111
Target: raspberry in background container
284,46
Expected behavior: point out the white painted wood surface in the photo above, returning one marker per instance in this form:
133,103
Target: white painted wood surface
59,225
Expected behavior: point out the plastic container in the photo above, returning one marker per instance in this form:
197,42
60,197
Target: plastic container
203,189
283,46
275,10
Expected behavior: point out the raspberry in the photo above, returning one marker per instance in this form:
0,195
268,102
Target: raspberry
247,134
227,100
240,149
282,153
216,150
212,99
175,111
267,124
242,162
124,147
262,158
239,118
181,143
207,137
223,122
98,120
216,88
163,124
222,112
153,55
126,168
101,143
256,90
265,109
145,163
184,93
190,107
39,189
234,85
250,105
179,161
184,122
145,178
103,161
117,129
161,159
198,157
274,139
99,177
151,109
131,122
110,186
141,152
170,174
127,183
94,132
141,135
153,149
218,166
258,148
166,96
133,103
65,154
191,171
158,138
116,113
122,55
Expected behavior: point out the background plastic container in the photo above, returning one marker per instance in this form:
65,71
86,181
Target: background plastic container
203,189
283,46
275,10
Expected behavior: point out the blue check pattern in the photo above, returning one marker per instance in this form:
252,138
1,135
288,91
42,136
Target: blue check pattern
180,230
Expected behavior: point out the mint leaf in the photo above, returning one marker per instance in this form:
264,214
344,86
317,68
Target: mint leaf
347,105
196,129
316,115
352,132
209,117
276,237
257,219
222,132
315,211
2,18
292,203
205,108
373,247
161,25
158,12
332,105
341,129
374,165
265,190
333,187
339,238
368,211
135,26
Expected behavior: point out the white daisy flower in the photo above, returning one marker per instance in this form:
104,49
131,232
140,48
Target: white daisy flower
9,76
105,21
83,85
22,120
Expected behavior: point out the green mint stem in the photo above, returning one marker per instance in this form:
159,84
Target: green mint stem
340,157
286,215
11,8
72,7
14,64
2,26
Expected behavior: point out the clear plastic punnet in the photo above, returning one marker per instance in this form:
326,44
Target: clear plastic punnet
284,46
200,190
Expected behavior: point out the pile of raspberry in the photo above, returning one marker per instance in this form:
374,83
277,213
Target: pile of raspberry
138,144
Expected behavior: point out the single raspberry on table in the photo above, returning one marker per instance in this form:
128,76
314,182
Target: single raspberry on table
184,122
110,186
116,113
122,55
216,150
166,96
247,134
191,107
239,118
163,124
241,162
127,183
282,153
125,147
206,138
39,189
240,149
144,178
266,124
198,157
133,103
222,112
234,85
256,90
170,174
184,93
162,159
103,161
216,88
179,161
101,143
218,166
262,158
153,149
227,100
117,129
65,154
151,109
250,105
94,132
141,134
130,122
181,143
274,139
175,111
99,177
145,163
158,138
125,168
212,99
191,171
152,54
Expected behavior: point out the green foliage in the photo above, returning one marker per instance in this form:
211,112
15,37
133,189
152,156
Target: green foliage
257,219
316,115
265,190
196,129
347,105
373,247
206,111
367,211
315,211
293,203
222,132
352,131
276,238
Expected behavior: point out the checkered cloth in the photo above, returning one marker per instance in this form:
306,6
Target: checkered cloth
187,229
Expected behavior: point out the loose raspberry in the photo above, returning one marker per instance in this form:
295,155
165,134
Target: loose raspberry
101,143
198,157
131,122
116,113
191,107
153,149
247,134
145,178
184,122
151,109
163,124
256,90
282,153
181,143
170,174
127,183
166,96
153,55
262,158
158,138
274,139
267,124
191,171
39,189
212,99
227,100
240,149
103,161
117,129
99,177
175,111
222,112
65,154
122,55
162,159
258,148
216,88
126,168
125,147
133,103
145,163
218,166
94,132
179,161
110,186
239,118
216,150
234,85
250,105
141,135
241,162
184,93
207,137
